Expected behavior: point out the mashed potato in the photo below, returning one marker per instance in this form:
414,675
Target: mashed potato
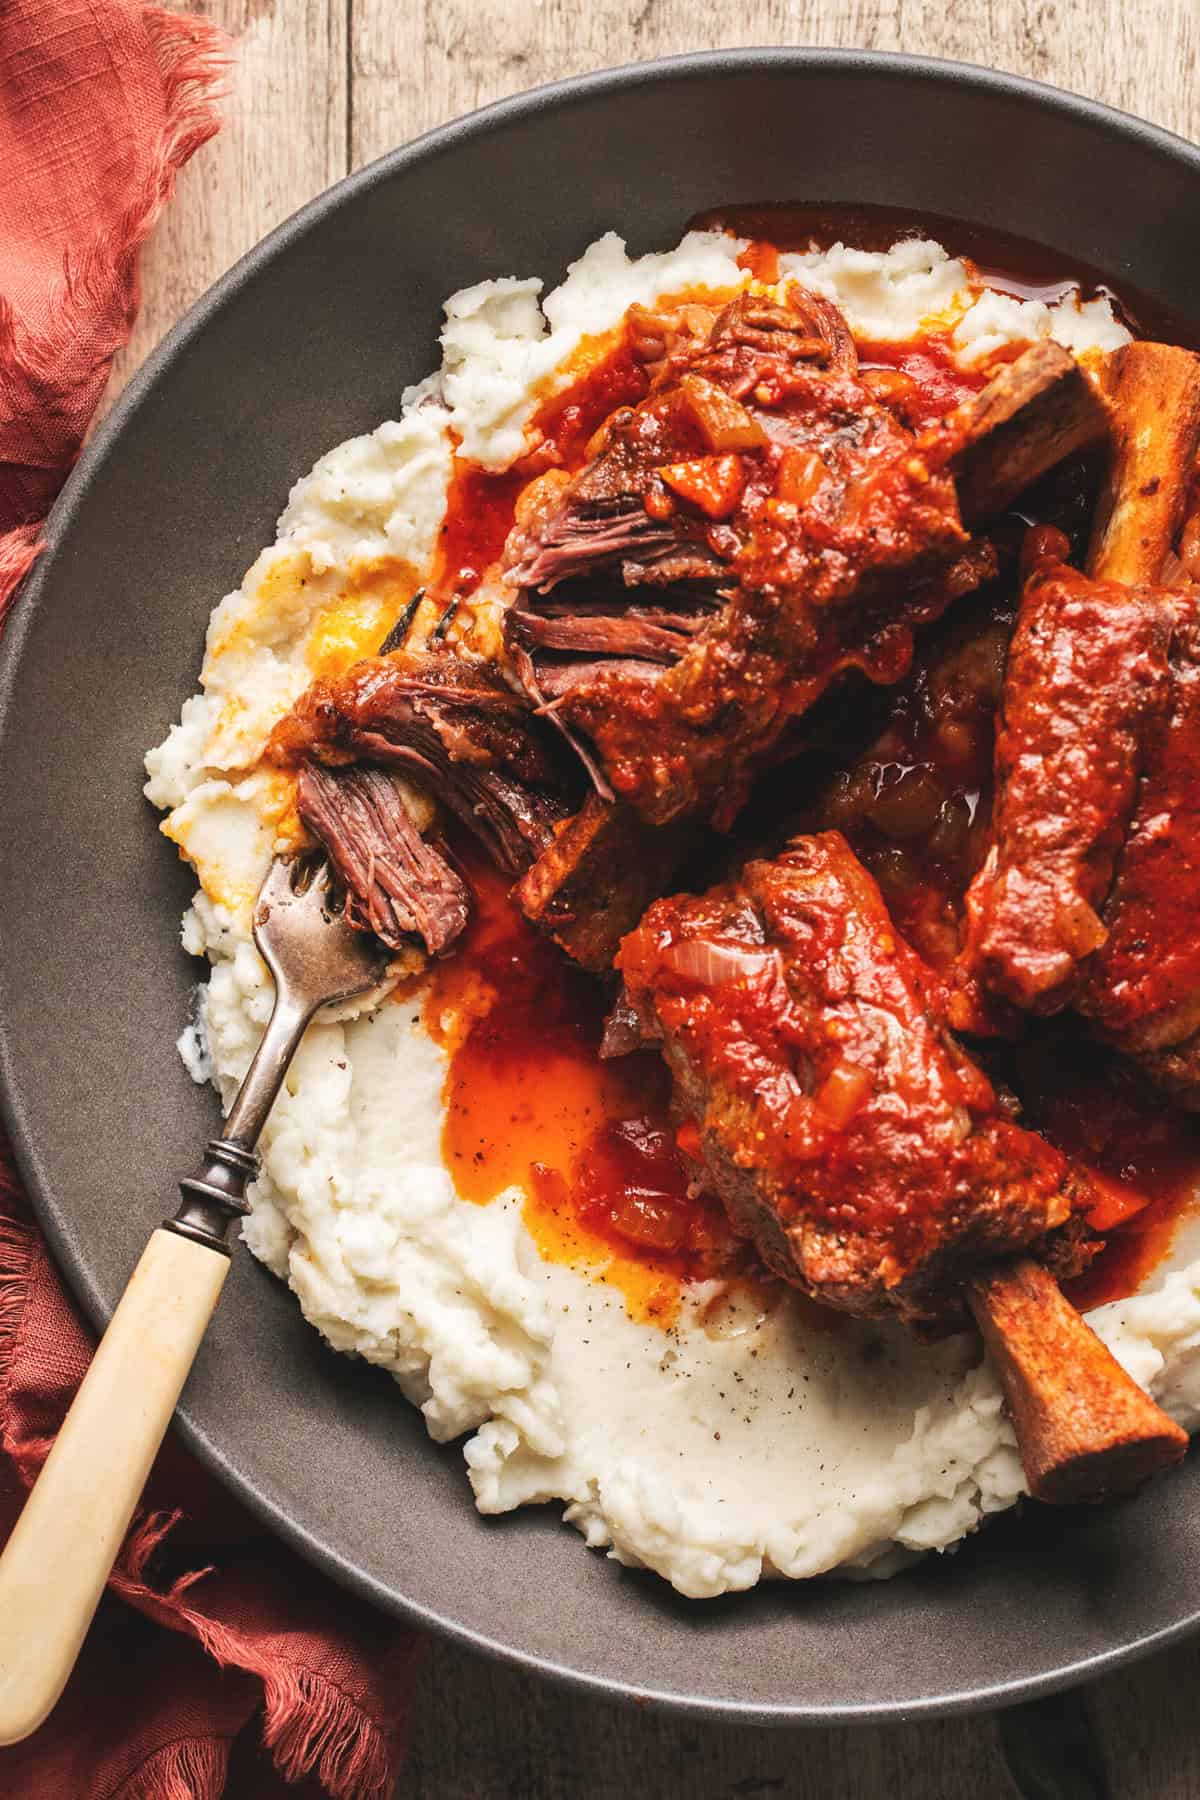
738,1443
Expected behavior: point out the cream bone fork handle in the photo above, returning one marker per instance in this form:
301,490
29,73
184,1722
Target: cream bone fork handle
55,1565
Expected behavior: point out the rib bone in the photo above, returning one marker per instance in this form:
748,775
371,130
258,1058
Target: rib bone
1086,1430
1155,394
1040,409
597,878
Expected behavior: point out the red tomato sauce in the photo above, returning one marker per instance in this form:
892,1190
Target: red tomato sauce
938,384
530,1105
1098,1109
479,516
590,1145
915,808
480,505
1016,265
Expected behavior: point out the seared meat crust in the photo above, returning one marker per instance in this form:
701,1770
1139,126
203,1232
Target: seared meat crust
1086,683
799,515
844,1127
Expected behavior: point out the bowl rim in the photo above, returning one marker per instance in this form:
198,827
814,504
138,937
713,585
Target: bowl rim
13,1114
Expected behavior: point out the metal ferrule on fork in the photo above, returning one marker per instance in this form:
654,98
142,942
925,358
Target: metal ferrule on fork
215,1197
314,957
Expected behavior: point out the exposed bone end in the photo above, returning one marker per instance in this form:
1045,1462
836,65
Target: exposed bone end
1085,1430
1041,408
597,878
1154,391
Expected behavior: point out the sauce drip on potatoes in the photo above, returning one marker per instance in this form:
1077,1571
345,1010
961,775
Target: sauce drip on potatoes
591,1145
530,1105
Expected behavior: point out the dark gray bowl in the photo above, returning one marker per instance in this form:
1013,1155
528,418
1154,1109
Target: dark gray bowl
309,339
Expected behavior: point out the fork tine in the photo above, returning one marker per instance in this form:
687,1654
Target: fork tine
277,884
322,880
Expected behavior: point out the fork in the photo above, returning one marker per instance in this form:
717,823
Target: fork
56,1563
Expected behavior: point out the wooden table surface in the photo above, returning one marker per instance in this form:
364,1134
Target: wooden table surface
321,86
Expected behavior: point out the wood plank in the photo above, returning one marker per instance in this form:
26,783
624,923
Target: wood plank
284,139
1145,1719
426,61
485,1732
480,1730
324,83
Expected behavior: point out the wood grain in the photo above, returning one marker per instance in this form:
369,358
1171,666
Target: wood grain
417,64
285,138
322,86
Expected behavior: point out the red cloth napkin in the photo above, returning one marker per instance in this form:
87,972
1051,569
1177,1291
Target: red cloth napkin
210,1629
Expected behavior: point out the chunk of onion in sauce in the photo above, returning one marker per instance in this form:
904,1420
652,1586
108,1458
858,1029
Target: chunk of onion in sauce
716,965
650,1222
843,1093
892,386
631,1183
724,422
800,475
1116,1202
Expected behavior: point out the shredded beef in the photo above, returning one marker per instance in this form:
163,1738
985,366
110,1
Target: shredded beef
398,885
455,729
824,520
